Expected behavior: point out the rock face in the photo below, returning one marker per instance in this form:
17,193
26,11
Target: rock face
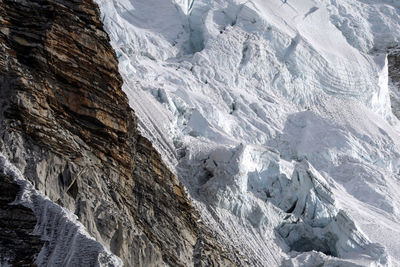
66,124
17,245
394,74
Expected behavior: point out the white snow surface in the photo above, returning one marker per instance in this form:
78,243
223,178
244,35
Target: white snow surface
276,117
66,241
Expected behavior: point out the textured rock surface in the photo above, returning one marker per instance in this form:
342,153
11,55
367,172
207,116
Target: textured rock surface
17,245
67,126
394,83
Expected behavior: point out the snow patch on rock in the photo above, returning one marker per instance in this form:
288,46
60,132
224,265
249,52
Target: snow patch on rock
67,242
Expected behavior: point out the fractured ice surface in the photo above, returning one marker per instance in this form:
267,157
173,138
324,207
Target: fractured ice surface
276,115
260,189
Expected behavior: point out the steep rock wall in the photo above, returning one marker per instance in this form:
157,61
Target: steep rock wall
17,245
68,127
394,82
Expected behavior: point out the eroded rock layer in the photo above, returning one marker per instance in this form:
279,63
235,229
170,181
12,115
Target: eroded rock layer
68,127
17,245
394,83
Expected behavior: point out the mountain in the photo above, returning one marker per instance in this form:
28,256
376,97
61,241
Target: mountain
89,189
200,133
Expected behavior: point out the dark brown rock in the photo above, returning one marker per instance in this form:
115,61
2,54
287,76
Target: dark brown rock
67,125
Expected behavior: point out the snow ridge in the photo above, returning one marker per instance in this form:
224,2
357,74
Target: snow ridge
67,242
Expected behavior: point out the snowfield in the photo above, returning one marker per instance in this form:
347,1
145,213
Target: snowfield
276,116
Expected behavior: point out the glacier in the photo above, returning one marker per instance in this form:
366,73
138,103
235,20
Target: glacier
276,116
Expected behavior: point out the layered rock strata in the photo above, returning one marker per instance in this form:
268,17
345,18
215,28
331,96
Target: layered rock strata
394,75
67,125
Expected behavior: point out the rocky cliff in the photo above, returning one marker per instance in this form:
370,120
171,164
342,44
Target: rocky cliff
394,75
17,245
67,126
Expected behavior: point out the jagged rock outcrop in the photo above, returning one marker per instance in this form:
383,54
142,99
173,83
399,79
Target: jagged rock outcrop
67,125
394,74
17,245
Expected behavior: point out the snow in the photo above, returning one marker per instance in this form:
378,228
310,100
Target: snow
67,242
242,97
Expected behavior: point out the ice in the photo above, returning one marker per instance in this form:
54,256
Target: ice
67,242
270,194
265,109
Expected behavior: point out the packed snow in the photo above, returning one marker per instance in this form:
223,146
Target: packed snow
276,116
66,241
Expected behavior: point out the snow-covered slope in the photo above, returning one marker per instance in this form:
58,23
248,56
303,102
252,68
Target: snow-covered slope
67,242
276,116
